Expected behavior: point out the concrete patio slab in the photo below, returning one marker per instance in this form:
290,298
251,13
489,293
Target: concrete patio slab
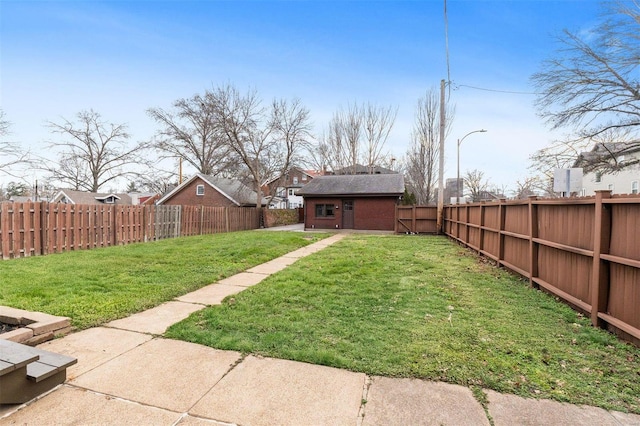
69,405
244,279
94,347
626,419
273,266
212,294
164,373
158,319
419,402
511,409
265,391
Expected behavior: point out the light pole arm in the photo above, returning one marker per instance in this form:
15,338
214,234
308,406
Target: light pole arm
458,186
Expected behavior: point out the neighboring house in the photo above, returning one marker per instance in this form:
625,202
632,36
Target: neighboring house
22,199
623,161
68,196
286,188
365,202
204,190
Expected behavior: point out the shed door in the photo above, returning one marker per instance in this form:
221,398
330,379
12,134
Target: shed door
347,214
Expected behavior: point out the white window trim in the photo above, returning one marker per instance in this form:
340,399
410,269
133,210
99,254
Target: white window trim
200,190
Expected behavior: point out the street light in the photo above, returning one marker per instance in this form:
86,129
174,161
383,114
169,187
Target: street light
458,191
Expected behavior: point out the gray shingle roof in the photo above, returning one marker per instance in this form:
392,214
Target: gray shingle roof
239,192
83,197
355,185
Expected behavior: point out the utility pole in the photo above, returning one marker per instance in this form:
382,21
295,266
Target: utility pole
441,161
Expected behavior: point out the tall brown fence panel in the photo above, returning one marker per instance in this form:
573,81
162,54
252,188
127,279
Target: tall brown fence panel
20,230
416,219
585,251
28,229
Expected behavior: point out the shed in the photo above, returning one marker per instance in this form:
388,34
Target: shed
362,202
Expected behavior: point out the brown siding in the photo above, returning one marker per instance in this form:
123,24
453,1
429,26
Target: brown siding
187,196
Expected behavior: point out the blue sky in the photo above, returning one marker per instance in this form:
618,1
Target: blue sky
122,57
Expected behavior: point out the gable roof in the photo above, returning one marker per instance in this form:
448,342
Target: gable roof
234,190
606,152
355,185
83,197
359,169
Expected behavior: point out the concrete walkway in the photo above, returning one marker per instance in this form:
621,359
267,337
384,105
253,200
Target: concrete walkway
127,375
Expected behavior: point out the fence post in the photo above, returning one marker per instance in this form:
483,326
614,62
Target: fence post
600,273
483,210
533,246
501,224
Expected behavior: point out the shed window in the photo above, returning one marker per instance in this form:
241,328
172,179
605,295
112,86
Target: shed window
200,190
324,210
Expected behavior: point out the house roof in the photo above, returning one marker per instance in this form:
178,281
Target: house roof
606,151
359,169
83,197
355,185
237,192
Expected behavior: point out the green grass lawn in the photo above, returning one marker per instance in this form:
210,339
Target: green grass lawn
423,307
96,286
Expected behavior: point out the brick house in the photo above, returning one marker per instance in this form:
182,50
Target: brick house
210,191
362,202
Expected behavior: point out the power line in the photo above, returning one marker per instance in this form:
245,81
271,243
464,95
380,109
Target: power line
494,90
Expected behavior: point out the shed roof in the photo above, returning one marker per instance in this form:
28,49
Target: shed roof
355,185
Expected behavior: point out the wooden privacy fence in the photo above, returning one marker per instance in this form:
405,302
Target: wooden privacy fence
585,250
198,220
31,229
416,219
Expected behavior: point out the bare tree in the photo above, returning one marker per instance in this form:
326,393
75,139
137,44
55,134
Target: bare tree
603,153
421,160
92,152
10,153
378,122
342,141
475,184
356,136
592,86
265,140
192,132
